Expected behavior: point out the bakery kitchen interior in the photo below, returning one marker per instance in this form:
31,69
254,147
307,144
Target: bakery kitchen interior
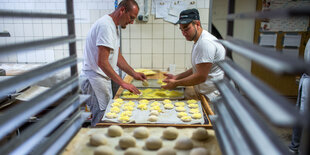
164,77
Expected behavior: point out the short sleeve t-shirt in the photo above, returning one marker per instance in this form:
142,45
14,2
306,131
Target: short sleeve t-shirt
102,33
207,50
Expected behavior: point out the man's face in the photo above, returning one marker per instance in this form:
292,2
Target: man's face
128,17
188,31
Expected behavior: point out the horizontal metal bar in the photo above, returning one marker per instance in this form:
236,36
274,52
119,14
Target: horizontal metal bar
278,109
23,47
14,117
249,122
237,138
35,75
276,13
221,136
62,135
271,59
10,13
5,34
37,132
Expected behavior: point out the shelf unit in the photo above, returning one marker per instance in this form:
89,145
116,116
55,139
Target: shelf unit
241,121
54,129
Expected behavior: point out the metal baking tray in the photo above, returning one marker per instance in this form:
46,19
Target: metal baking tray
153,83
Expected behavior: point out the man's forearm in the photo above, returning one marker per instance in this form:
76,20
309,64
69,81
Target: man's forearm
184,74
191,80
123,65
109,71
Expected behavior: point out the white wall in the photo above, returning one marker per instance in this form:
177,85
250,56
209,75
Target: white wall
158,43
154,44
243,29
27,29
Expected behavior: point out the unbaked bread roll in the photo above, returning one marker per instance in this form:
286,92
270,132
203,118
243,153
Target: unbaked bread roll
119,100
166,151
153,143
192,111
133,151
116,104
141,132
155,104
168,106
111,115
170,133
193,105
186,118
196,115
115,131
166,101
97,139
103,150
143,101
184,143
126,142
181,114
200,134
142,106
154,112
115,110
152,118
199,151
191,101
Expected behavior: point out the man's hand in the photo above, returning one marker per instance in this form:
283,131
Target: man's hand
130,88
171,84
139,76
169,76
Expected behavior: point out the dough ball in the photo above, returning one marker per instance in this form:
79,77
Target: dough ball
141,132
126,142
191,101
152,118
179,104
186,118
196,115
192,106
103,150
166,101
168,106
199,151
115,131
97,139
154,112
170,133
166,151
133,151
181,114
200,134
153,143
184,143
193,111
111,115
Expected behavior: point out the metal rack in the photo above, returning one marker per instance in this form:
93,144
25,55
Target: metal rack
54,129
240,123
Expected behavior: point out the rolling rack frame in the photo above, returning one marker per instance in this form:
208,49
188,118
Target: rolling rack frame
239,125
66,118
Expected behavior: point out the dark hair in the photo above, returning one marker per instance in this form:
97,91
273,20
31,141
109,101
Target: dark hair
128,5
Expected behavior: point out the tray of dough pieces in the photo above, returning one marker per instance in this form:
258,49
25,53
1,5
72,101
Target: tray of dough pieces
154,93
151,111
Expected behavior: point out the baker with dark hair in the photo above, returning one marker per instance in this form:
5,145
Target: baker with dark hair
205,52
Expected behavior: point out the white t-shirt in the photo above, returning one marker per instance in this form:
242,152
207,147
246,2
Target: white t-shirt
207,50
102,33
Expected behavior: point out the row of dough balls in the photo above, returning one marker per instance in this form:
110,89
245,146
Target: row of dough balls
152,143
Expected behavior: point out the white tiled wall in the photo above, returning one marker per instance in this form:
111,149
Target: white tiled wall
157,43
154,44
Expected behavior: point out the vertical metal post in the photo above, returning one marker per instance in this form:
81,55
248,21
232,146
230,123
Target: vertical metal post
230,25
305,137
71,31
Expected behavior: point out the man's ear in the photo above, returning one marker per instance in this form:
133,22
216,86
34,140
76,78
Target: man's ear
123,10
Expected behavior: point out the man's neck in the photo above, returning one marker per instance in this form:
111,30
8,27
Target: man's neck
199,31
114,15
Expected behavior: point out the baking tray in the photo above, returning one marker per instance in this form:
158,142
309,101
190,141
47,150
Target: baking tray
165,117
139,97
153,83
